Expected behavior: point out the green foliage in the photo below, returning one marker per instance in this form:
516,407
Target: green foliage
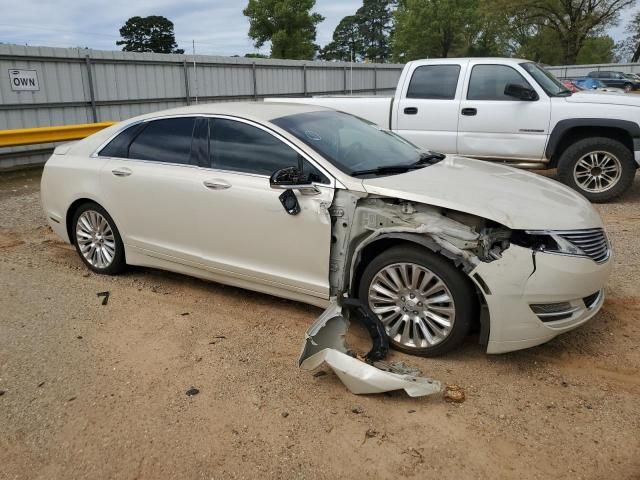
629,49
148,34
444,28
365,34
288,24
255,55
574,22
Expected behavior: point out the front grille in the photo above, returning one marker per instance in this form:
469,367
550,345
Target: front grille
593,242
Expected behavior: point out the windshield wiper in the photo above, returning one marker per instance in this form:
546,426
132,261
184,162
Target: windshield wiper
430,158
387,169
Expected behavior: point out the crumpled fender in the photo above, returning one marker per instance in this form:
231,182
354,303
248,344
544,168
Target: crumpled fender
324,342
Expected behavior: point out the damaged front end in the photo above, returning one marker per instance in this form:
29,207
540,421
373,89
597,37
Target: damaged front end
325,342
359,221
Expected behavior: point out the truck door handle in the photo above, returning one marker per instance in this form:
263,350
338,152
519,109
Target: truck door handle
216,184
469,111
121,172
410,111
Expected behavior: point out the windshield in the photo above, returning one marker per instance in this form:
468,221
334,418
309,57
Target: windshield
350,143
550,84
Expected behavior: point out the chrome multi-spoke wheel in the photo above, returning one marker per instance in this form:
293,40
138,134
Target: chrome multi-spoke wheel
96,240
597,172
414,304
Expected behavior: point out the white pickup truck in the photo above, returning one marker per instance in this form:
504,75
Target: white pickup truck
511,111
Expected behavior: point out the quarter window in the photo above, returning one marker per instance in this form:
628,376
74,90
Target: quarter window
166,140
435,82
488,82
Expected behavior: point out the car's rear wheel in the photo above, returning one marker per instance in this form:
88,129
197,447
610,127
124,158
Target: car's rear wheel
599,168
425,304
97,239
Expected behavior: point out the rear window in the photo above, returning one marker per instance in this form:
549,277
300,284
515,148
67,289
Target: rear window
435,82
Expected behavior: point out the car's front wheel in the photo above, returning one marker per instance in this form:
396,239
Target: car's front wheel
97,239
599,168
425,304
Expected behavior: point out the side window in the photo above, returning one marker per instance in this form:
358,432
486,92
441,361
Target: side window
435,82
166,140
119,146
487,82
239,147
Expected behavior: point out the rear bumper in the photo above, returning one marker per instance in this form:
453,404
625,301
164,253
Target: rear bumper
516,283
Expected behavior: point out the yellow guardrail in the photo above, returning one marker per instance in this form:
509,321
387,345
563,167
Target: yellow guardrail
31,136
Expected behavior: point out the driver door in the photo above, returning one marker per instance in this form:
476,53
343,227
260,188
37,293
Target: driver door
246,232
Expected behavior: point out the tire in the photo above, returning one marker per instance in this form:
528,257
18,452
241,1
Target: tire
457,287
92,223
577,168
628,87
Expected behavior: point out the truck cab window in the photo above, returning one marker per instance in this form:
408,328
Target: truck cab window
435,82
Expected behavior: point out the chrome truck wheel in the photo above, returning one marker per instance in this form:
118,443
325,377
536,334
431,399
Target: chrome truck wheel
600,168
424,302
597,172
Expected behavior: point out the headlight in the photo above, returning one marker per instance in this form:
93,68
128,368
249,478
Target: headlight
544,242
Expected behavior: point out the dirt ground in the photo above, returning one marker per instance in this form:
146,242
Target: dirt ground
93,391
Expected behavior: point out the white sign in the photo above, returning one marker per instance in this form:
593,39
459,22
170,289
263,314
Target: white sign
24,80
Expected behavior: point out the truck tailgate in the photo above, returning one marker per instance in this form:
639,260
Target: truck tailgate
374,109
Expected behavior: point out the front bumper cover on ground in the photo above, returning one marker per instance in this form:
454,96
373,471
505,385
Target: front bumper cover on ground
324,342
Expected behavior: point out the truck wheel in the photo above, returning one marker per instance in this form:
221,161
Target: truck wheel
425,304
600,168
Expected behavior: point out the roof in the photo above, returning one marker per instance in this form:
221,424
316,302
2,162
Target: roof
259,111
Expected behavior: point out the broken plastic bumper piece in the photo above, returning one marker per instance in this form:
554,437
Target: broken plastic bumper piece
325,342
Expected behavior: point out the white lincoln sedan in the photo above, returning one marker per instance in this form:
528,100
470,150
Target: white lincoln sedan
316,205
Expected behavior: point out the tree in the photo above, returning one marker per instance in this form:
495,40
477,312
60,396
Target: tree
374,19
148,34
629,49
255,55
573,21
346,40
435,28
288,24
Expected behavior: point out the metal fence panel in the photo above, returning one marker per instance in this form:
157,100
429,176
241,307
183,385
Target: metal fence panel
570,71
83,86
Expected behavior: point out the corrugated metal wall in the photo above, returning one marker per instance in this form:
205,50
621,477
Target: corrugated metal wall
569,71
84,86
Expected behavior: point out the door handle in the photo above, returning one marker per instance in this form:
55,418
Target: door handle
469,111
410,111
121,172
216,184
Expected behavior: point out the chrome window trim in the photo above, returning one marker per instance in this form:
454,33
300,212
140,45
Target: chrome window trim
305,155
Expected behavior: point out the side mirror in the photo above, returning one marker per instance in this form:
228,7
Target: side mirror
520,92
291,178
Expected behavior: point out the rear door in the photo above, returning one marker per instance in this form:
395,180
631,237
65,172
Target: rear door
496,126
153,184
246,232
427,112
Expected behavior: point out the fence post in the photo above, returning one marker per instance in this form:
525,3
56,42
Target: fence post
92,94
186,82
304,79
255,81
375,79
345,80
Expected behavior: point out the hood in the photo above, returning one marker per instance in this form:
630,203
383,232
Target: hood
602,97
514,198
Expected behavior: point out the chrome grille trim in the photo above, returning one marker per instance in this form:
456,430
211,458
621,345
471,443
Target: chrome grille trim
593,242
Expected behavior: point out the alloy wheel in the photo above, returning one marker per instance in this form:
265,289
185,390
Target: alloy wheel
597,172
96,239
413,303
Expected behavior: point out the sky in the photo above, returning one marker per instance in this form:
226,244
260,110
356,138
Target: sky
217,26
